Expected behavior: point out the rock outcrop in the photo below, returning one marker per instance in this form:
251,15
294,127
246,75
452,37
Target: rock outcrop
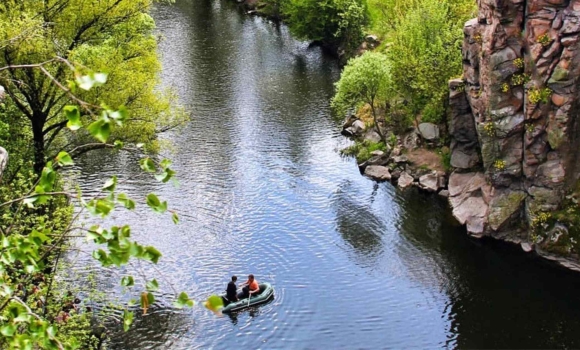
515,122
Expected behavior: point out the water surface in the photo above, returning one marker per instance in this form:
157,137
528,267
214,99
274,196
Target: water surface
263,190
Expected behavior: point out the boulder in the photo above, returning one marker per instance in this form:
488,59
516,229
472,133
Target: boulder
356,128
377,172
405,180
444,193
349,121
377,153
429,131
373,136
3,160
400,159
411,140
429,182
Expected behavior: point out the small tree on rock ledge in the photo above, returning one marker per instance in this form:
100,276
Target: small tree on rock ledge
365,80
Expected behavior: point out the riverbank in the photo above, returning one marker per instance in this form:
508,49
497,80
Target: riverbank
493,190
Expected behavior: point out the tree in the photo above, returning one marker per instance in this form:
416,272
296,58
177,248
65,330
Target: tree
367,80
110,36
24,256
332,22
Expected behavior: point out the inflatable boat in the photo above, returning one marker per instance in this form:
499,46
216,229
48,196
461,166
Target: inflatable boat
266,293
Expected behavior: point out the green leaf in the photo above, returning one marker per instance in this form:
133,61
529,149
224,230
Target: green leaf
214,303
64,159
156,204
165,163
8,330
127,203
127,281
151,254
183,301
100,207
74,117
175,218
165,176
111,184
127,320
47,179
147,165
150,298
152,285
118,144
101,130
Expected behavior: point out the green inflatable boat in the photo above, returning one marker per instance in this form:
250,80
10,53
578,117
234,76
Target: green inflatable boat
266,293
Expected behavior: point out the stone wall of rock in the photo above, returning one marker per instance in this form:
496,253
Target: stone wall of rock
514,115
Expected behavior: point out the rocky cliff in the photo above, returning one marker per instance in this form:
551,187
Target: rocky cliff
515,125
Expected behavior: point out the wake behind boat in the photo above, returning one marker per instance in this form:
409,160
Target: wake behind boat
266,293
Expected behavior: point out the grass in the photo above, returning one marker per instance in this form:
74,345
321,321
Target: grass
363,150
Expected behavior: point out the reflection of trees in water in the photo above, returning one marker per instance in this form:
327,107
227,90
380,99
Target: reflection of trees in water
159,326
358,225
498,296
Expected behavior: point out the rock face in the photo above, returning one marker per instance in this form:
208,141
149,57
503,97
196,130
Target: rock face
515,115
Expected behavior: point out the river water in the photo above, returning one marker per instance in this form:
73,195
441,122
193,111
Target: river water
263,190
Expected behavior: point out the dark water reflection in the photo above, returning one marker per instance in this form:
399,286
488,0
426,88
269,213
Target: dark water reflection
264,190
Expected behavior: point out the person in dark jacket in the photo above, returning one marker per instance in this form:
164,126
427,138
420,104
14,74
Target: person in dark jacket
231,291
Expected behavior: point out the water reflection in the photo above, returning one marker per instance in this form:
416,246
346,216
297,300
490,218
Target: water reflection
497,294
357,223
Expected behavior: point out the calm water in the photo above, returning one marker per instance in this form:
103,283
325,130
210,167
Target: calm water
263,190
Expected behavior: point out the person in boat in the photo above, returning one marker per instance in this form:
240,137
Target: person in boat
250,287
232,291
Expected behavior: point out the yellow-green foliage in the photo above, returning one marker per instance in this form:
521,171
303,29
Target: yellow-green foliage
544,39
489,128
109,36
519,63
505,87
541,218
499,164
519,79
362,150
539,95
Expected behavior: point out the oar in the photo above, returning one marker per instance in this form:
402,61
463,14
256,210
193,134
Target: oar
249,296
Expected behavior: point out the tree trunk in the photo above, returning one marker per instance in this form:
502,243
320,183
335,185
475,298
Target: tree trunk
377,127
38,137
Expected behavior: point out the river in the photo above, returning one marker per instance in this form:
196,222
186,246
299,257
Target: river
263,190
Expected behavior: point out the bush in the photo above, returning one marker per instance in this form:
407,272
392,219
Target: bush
425,54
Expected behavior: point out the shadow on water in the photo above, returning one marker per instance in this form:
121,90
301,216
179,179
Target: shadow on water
357,224
253,311
498,295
